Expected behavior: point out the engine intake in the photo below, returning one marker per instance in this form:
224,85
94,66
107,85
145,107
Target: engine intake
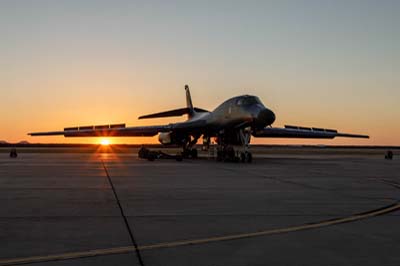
166,138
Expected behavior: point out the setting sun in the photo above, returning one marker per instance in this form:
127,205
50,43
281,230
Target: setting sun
105,142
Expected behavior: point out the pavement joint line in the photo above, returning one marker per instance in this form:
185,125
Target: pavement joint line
387,182
391,183
128,249
136,249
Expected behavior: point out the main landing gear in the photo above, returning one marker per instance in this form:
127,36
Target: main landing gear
226,150
231,147
228,154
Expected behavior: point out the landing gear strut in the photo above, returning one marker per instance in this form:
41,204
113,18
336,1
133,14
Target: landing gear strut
188,150
245,155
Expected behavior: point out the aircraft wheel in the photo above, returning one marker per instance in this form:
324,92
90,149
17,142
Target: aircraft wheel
242,157
230,154
219,156
151,157
248,157
143,153
179,157
186,153
194,153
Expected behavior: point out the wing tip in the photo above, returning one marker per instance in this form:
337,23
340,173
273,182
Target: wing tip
352,135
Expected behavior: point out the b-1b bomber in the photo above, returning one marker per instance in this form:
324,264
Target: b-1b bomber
231,125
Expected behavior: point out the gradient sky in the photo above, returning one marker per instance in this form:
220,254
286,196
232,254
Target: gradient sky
332,64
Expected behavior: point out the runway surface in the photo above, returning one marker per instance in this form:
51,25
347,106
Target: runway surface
59,209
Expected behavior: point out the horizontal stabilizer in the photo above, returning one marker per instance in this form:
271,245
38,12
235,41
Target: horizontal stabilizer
176,112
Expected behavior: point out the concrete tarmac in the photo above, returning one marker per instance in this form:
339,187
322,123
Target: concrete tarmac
61,203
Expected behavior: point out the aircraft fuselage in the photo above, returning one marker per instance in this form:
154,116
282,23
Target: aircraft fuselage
235,113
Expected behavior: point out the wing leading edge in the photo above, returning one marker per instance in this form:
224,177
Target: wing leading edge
303,132
120,130
107,131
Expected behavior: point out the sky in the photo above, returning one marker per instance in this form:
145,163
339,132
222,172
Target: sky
332,64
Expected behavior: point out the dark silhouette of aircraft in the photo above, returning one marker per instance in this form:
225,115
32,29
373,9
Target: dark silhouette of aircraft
232,124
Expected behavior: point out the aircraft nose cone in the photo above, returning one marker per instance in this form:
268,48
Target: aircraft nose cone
265,117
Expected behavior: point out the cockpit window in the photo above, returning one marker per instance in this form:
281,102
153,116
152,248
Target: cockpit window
247,101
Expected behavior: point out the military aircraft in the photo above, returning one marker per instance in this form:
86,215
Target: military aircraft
231,124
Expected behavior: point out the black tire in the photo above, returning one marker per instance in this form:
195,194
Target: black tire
151,157
143,153
230,154
242,157
249,157
219,156
186,154
194,153
179,157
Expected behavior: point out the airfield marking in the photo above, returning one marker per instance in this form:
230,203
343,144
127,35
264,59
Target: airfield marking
129,249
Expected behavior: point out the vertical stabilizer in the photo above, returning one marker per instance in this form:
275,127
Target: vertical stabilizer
189,103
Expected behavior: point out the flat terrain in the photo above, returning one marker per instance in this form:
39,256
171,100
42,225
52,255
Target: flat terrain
305,207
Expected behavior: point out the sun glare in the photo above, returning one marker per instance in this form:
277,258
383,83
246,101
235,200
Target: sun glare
105,142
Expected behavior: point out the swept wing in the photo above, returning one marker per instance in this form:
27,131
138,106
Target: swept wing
120,130
302,132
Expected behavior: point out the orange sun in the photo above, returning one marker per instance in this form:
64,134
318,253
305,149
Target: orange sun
105,142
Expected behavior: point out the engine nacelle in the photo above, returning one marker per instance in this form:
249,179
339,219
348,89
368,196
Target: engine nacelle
172,138
166,138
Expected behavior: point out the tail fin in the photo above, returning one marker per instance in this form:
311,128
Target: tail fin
189,103
189,109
